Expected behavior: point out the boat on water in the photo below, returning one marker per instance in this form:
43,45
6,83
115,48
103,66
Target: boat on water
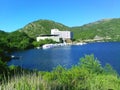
81,43
15,57
47,46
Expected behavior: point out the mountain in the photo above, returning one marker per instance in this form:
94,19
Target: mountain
38,27
106,28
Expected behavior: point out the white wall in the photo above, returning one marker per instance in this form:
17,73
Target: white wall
55,38
62,34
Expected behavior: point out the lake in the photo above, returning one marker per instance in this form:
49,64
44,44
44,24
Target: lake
46,60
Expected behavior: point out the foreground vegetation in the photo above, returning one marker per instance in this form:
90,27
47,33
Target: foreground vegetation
88,74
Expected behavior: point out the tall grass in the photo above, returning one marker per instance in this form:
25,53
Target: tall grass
30,81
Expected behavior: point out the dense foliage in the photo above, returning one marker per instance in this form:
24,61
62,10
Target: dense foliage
19,40
14,41
87,75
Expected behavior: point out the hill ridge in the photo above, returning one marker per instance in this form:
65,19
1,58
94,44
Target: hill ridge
103,28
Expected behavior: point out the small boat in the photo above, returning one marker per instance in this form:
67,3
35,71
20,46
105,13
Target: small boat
80,43
38,47
15,57
47,46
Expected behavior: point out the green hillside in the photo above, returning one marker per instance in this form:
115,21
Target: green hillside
42,27
107,28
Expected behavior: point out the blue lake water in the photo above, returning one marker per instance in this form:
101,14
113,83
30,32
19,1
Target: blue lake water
46,60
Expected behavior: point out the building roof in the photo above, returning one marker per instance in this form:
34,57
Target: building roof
44,35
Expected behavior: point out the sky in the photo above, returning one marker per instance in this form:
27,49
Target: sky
15,14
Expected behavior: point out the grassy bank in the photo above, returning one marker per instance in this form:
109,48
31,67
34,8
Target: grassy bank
88,74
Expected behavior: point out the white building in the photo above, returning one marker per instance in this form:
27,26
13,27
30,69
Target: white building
62,34
56,35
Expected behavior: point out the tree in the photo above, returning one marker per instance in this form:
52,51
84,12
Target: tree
19,40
